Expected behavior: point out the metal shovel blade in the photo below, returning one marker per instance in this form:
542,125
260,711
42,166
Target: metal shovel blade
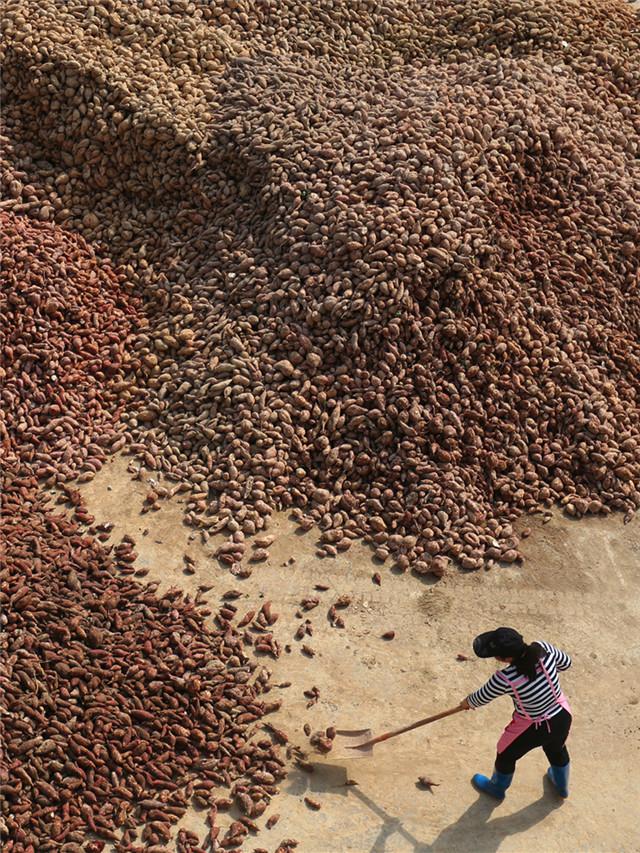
346,743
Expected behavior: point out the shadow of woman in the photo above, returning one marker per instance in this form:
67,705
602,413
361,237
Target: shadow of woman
473,832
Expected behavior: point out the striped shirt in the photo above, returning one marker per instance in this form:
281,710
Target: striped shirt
536,695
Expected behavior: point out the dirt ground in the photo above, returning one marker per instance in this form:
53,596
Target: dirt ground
579,588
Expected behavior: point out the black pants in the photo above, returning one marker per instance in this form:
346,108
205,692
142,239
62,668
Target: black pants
551,741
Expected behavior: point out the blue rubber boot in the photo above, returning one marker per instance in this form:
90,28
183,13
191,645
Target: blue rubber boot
559,777
495,787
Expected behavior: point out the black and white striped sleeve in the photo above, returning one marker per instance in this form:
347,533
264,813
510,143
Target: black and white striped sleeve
494,687
560,659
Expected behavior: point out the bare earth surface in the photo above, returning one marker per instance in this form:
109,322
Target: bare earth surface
580,589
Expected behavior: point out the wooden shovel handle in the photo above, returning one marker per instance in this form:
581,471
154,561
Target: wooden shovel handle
417,725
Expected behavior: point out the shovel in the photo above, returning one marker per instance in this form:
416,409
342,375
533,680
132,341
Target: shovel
361,741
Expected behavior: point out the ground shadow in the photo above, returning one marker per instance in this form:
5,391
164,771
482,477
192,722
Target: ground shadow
472,832
326,779
390,825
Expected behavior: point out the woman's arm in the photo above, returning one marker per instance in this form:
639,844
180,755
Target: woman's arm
493,688
561,659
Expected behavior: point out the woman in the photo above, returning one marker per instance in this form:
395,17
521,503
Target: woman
542,716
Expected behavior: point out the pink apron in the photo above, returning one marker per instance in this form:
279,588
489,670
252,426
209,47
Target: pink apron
520,722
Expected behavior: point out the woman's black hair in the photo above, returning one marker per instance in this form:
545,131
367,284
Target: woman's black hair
526,661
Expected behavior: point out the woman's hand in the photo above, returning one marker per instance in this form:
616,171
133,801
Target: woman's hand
465,704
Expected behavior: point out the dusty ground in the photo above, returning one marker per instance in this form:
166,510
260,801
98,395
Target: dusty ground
580,588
